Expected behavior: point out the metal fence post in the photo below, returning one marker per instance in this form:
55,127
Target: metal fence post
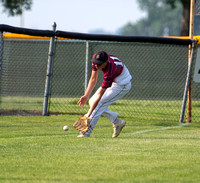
49,73
86,64
1,52
187,83
1,58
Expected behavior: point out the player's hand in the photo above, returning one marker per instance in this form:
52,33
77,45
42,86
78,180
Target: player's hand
83,101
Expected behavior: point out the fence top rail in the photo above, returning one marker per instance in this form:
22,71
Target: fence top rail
96,37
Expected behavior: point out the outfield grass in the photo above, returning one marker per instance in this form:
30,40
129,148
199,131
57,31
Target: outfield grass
36,149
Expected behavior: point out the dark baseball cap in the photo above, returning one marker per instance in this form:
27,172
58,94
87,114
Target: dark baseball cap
100,57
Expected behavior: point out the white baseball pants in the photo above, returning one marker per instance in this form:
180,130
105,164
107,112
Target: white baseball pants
111,95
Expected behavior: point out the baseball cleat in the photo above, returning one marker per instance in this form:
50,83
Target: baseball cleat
83,135
118,127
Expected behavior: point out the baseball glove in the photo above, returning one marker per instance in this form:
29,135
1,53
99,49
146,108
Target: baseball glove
82,124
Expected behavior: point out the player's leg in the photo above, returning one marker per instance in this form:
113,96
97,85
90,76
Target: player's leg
112,94
112,116
107,113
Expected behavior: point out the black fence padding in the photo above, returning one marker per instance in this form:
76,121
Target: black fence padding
120,38
32,32
97,37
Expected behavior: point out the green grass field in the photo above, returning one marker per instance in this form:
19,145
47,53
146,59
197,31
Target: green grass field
36,149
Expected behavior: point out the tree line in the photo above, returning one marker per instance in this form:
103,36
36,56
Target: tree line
164,18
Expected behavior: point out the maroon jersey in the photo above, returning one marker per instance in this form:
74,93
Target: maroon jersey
112,70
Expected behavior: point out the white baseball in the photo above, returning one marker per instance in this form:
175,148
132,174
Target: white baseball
65,128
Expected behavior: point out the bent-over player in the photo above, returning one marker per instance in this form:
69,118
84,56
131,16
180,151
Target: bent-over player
116,83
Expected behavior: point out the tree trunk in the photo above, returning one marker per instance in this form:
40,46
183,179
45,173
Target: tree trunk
185,19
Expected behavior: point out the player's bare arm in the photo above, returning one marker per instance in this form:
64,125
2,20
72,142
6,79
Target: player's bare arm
92,82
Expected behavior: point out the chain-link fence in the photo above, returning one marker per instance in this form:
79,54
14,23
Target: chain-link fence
159,73
197,8
23,75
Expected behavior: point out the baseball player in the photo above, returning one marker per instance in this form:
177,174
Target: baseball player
116,83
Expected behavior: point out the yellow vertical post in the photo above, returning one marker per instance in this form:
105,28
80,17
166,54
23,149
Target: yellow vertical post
191,34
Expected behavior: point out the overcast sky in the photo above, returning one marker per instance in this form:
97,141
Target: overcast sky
77,15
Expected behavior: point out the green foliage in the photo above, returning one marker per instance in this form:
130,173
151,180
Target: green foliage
36,149
161,20
15,7
173,2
